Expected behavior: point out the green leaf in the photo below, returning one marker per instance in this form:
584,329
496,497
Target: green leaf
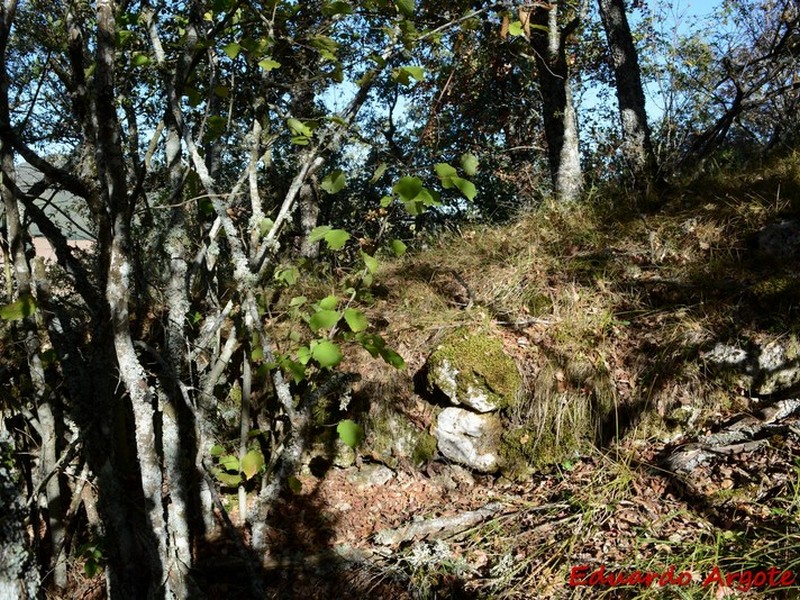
91,567
294,484
372,343
398,247
232,50
469,162
333,182
350,432
324,319
288,275
318,233
392,358
299,140
446,174
336,238
229,462
217,450
296,369
379,171
303,355
266,225
215,127
337,8
123,35
24,307
206,206
252,462
404,75
329,302
326,46
386,201
299,128
515,29
428,198
408,188
414,207
405,7
193,96
370,261
268,64
376,346
222,91
326,353
298,301
443,170
140,60
465,187
229,479
356,320
257,354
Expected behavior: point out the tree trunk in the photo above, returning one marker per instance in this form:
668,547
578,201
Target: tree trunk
155,415
636,148
558,111
19,575
308,206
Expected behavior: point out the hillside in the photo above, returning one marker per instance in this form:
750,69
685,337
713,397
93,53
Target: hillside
645,340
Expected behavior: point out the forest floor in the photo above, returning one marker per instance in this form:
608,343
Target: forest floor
642,295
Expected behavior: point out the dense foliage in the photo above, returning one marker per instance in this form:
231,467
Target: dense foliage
218,153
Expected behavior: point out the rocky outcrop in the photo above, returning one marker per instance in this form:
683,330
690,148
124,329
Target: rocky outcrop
474,374
767,369
473,369
393,438
469,438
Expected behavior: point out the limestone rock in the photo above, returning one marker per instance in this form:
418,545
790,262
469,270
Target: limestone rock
371,475
474,370
469,439
392,437
768,369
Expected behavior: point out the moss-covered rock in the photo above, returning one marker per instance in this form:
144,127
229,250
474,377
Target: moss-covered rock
473,369
392,438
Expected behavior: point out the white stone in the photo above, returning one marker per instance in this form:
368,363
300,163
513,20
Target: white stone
468,438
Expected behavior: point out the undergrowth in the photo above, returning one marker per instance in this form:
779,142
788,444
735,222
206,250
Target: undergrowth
618,303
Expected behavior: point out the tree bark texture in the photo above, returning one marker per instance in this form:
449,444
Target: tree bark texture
548,40
637,147
19,574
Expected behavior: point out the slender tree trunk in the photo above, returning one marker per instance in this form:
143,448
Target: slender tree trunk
308,206
19,574
166,542
636,148
558,111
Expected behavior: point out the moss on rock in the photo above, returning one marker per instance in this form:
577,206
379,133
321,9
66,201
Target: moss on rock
474,369
392,437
